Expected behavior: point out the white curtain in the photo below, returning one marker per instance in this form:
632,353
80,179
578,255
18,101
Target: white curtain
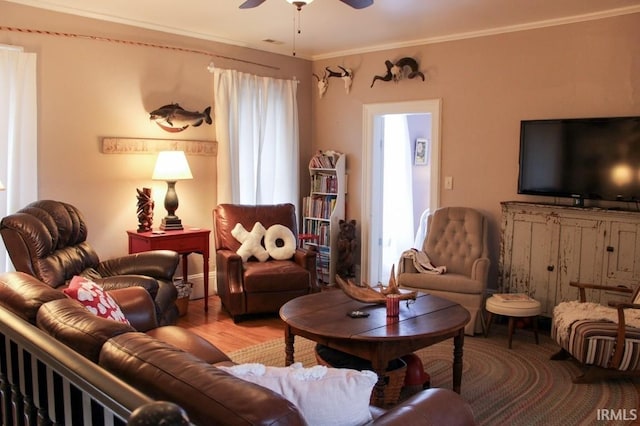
18,134
397,190
257,133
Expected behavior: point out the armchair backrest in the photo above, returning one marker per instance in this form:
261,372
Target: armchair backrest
226,216
47,239
456,237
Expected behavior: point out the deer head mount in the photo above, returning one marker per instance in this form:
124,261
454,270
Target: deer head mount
323,83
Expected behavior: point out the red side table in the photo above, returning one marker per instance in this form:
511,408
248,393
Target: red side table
185,242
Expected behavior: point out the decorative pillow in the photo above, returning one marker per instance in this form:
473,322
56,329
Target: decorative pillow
324,396
95,299
251,242
282,234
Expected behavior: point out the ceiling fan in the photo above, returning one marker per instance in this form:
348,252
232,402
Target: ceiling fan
356,4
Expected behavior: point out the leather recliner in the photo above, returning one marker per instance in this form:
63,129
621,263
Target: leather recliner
48,240
259,287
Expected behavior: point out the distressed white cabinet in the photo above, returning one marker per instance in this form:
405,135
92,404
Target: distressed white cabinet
545,247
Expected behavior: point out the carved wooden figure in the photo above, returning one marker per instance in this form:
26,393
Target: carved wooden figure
145,210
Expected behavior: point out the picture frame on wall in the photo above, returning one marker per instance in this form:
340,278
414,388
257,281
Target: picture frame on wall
421,157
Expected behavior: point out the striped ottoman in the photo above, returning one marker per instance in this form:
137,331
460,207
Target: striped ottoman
513,306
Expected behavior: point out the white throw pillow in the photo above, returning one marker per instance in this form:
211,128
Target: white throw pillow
251,242
324,396
284,234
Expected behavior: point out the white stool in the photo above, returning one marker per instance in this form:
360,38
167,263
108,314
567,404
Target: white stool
513,309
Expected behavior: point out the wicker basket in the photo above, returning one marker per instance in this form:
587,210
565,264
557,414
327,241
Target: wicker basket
394,380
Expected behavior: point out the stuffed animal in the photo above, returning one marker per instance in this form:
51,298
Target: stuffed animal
345,266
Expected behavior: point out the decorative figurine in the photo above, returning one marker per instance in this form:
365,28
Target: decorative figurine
145,210
345,266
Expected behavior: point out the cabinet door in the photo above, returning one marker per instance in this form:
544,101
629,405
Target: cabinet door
621,258
581,243
529,256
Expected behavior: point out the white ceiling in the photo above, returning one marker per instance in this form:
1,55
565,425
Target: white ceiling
330,28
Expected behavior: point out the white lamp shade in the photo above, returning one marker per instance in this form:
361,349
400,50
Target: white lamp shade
171,166
299,2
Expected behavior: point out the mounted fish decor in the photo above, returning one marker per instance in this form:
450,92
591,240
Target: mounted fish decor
397,71
174,118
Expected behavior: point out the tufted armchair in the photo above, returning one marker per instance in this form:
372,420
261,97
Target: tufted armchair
604,339
457,239
254,287
48,240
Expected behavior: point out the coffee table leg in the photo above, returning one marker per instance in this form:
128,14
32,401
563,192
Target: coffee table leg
458,341
288,346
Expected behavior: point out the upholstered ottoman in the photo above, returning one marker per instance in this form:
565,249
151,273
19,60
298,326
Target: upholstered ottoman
513,306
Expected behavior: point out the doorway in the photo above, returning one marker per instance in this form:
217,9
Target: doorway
405,122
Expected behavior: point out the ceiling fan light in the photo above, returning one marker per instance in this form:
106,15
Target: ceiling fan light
299,3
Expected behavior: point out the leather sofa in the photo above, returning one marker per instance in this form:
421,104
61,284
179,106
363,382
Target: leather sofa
48,239
173,364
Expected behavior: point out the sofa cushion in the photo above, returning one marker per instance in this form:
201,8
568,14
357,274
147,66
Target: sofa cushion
265,277
68,321
325,396
23,294
95,299
165,372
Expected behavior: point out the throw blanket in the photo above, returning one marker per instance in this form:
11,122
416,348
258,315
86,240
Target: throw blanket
567,313
421,262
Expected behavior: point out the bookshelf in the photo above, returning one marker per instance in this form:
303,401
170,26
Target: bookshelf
322,210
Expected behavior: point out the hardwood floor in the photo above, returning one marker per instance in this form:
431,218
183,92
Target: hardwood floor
218,328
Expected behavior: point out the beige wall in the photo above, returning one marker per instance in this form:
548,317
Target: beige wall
487,85
90,89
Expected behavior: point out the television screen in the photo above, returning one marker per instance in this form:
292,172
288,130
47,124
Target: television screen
590,158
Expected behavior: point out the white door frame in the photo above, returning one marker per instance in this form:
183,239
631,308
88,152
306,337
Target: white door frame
370,134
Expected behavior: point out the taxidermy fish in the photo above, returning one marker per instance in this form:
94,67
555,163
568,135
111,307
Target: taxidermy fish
174,118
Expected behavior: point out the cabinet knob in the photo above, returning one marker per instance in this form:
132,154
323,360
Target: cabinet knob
550,268
610,249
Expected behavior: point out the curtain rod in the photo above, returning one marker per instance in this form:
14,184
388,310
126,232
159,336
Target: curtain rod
133,43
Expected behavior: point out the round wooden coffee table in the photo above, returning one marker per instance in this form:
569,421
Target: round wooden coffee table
322,317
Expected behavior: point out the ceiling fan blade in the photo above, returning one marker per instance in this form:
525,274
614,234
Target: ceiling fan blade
358,4
251,3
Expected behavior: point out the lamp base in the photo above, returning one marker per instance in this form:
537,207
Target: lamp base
171,223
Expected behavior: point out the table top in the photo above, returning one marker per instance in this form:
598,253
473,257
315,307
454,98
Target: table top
325,314
157,233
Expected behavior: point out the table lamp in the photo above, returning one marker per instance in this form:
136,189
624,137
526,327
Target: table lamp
171,166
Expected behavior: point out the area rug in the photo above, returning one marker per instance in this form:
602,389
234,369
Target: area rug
520,386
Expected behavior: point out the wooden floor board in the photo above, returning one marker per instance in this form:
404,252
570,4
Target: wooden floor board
217,327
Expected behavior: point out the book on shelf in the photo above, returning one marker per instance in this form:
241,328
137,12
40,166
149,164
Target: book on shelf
512,297
324,160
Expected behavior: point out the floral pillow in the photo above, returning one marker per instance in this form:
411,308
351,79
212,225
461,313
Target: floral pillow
95,299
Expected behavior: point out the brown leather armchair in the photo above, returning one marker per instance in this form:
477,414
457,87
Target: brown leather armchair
48,240
259,287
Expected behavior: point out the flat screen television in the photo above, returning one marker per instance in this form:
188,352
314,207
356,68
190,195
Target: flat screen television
581,158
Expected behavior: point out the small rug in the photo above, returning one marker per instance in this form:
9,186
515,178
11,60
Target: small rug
521,386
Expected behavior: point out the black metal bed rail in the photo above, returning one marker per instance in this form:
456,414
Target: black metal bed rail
44,382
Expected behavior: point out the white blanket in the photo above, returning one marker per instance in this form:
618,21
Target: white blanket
421,262
567,313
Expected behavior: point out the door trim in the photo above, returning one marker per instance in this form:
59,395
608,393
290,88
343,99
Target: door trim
370,113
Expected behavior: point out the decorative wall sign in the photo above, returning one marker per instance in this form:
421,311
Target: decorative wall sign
151,146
